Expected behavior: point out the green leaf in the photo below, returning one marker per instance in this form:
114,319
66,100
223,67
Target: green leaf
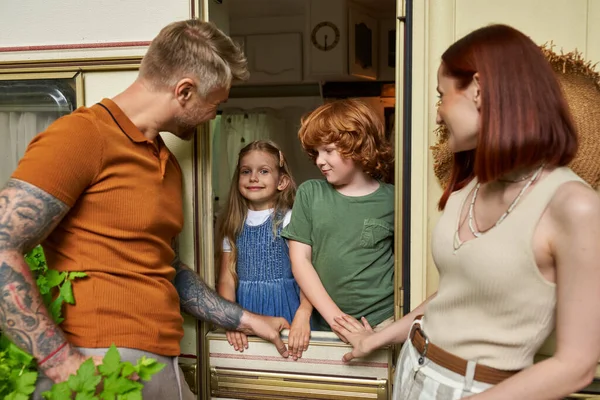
36,259
42,284
54,277
106,395
59,391
86,396
66,291
118,385
15,353
133,395
47,298
74,275
16,396
111,363
146,367
25,383
55,309
86,379
128,369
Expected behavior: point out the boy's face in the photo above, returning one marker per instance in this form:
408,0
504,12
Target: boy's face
338,171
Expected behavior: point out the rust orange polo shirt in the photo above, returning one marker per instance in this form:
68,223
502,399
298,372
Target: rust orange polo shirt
125,194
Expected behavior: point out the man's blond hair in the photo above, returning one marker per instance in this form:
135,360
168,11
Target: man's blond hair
194,49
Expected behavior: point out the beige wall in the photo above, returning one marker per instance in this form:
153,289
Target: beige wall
437,24
62,29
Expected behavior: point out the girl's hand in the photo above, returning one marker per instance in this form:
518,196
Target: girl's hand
299,334
238,340
356,333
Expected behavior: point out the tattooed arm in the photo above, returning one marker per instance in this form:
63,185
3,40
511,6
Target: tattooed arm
27,216
200,301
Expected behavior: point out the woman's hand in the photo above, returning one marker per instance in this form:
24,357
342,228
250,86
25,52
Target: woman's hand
356,334
299,333
238,340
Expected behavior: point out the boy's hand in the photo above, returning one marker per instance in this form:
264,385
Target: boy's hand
238,340
299,334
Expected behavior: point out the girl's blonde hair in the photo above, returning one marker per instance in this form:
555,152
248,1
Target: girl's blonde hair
233,216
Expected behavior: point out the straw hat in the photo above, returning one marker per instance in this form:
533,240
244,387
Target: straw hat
581,86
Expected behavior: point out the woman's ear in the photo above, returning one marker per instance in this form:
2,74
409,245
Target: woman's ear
284,182
476,87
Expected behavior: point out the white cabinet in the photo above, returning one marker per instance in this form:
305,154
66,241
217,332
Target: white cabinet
273,58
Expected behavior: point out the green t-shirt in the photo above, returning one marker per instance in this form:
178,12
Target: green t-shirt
352,240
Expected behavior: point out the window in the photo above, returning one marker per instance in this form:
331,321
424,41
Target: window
28,105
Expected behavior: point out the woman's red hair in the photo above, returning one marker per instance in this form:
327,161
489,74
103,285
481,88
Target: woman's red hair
524,118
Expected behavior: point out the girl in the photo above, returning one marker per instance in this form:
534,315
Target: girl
342,228
516,246
255,265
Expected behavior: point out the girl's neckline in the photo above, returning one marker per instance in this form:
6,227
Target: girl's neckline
261,212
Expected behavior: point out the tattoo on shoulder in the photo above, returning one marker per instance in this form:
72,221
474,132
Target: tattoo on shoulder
202,302
27,215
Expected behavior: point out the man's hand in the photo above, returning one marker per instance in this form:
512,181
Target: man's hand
264,327
60,372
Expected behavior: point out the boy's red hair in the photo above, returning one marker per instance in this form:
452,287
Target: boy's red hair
355,129
525,120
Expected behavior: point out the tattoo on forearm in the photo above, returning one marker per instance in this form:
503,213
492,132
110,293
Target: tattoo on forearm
202,302
22,315
27,216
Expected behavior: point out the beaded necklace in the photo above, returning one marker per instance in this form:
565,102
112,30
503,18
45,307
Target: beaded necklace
511,207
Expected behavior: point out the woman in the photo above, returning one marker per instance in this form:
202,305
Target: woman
516,246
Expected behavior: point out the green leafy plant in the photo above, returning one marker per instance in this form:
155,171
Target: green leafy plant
114,381
50,281
18,373
18,370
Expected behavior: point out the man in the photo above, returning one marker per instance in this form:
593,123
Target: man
103,193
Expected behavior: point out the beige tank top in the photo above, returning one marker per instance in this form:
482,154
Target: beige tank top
493,305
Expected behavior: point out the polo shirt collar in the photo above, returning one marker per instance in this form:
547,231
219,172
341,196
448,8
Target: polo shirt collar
124,122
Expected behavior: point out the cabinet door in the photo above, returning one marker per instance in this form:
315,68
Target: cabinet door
274,58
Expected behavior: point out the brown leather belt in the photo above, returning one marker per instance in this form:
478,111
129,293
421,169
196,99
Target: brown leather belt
456,364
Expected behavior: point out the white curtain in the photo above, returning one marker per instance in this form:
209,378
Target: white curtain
16,131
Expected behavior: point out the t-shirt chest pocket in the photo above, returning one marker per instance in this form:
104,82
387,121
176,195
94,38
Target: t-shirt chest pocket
374,232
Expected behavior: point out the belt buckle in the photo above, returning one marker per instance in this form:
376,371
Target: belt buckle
422,355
